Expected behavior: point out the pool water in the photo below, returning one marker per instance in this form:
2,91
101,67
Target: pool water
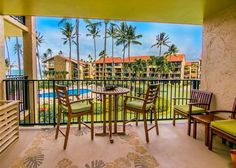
70,92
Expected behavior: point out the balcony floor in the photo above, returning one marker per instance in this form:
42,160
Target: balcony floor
172,148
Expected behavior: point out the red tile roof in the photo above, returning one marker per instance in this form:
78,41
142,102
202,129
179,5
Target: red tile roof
176,58
188,63
120,60
133,58
109,60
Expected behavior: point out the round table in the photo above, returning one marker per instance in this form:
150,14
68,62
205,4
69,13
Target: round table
112,94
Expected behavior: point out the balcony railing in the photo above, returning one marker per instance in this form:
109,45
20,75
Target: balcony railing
39,104
20,19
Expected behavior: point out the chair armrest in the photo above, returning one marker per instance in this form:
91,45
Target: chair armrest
143,94
82,100
218,111
76,95
181,98
196,103
133,97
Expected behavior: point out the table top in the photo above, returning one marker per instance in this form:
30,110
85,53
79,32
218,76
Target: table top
206,118
116,91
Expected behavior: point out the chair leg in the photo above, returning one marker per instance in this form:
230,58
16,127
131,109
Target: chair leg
137,117
174,118
124,119
58,123
156,122
210,140
92,125
67,132
194,129
145,127
79,122
189,125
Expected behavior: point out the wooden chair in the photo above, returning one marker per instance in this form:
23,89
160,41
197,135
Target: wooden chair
199,103
225,129
72,109
144,105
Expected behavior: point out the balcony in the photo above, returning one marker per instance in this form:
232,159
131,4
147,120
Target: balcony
127,151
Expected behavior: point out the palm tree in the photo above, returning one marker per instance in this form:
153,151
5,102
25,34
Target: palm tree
76,42
93,29
106,22
161,40
18,51
121,37
68,32
60,53
172,50
49,52
151,62
132,38
39,41
141,65
112,34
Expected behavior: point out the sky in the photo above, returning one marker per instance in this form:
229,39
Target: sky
188,39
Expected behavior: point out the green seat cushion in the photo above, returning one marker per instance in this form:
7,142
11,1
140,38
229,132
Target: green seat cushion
185,109
228,126
138,104
78,107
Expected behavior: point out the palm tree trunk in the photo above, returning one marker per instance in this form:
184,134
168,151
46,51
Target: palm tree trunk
8,57
129,58
160,51
18,56
77,45
70,71
112,55
123,60
94,45
39,65
105,48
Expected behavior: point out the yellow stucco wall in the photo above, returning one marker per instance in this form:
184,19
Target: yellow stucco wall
219,58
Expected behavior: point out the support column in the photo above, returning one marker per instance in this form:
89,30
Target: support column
29,44
2,57
30,67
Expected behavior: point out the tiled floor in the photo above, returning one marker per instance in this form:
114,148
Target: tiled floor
171,149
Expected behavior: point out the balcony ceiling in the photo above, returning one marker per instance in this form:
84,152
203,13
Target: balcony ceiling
167,11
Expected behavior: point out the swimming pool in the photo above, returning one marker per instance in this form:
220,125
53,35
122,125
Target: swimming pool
70,92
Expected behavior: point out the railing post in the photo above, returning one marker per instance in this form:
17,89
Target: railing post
7,89
194,84
54,103
26,91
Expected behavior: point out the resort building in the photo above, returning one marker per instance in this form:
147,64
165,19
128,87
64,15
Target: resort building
192,69
117,67
57,67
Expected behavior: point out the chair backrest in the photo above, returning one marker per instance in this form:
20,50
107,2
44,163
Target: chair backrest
152,93
63,97
202,97
234,109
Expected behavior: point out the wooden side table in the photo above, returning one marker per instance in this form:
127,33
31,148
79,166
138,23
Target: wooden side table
206,120
112,94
